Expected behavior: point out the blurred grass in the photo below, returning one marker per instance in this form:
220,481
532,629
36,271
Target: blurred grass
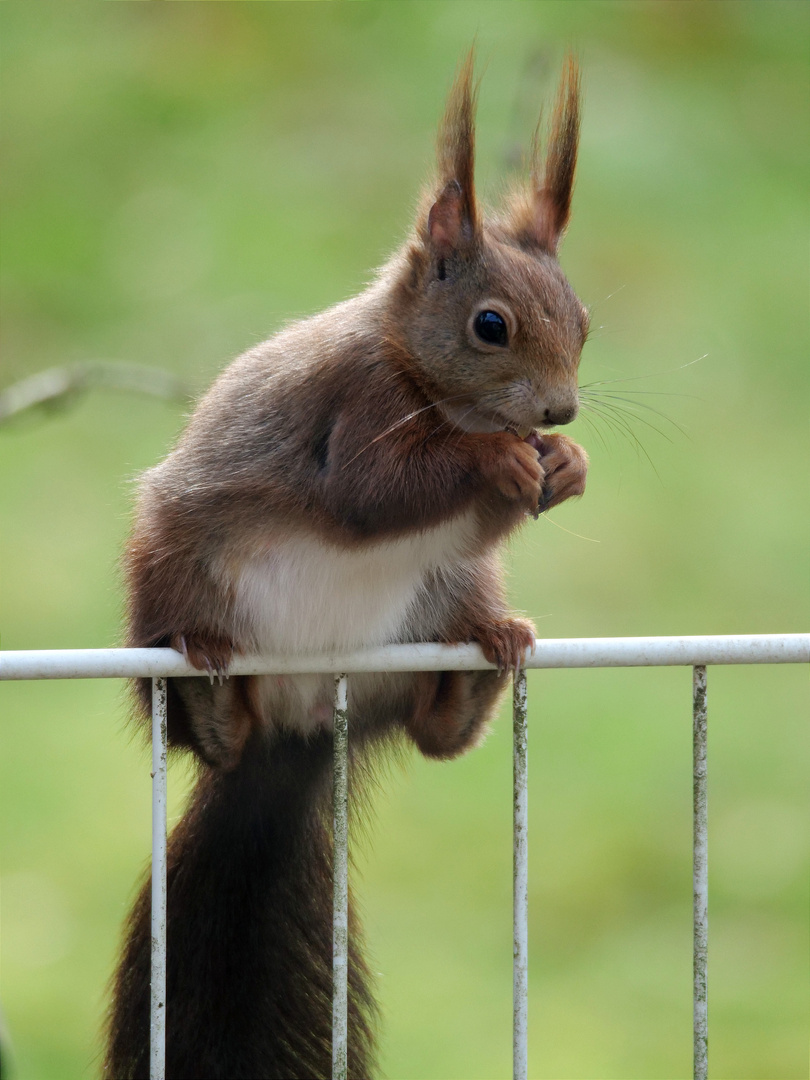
180,180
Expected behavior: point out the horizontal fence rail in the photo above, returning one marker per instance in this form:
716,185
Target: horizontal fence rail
549,653
160,664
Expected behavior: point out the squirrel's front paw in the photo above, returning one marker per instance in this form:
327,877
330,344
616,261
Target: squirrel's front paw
565,465
513,467
206,652
504,643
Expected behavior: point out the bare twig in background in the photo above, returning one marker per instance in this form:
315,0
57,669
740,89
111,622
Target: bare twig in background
60,387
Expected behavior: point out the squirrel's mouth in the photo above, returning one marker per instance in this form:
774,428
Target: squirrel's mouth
484,420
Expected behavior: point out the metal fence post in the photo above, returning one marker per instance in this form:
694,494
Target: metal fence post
700,874
157,1023
520,946
340,924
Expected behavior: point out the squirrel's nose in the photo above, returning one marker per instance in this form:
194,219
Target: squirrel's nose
560,414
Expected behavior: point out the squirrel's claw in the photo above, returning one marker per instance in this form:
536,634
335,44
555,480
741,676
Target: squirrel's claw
210,654
505,643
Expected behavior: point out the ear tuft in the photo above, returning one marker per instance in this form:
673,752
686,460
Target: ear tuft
540,220
453,218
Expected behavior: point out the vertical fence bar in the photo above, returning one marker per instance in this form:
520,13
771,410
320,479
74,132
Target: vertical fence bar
520,867
340,918
700,874
157,1018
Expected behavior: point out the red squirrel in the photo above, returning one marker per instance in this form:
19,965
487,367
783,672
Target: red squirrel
347,483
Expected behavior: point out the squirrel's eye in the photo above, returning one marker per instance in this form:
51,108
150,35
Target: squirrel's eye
491,327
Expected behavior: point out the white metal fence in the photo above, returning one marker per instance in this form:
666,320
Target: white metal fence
160,664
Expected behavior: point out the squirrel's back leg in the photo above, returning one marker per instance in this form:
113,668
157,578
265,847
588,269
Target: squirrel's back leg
464,604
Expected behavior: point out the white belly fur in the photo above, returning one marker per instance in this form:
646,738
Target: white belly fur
303,596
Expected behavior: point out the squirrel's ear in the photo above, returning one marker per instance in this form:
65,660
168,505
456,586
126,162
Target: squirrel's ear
540,220
452,223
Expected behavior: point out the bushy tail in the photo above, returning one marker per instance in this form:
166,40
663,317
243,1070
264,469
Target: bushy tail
249,981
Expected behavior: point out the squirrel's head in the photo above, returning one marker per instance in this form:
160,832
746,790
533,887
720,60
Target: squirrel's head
487,313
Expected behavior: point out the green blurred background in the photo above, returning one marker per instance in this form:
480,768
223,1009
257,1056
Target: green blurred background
182,179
